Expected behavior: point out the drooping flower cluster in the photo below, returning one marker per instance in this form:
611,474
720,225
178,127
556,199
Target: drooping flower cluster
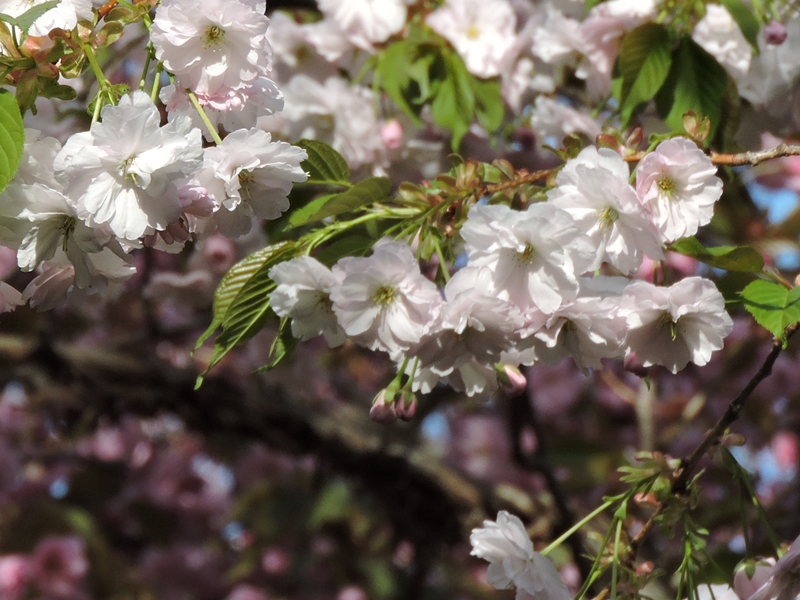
532,288
513,561
74,213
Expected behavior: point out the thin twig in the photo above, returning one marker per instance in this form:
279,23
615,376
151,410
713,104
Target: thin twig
522,179
688,465
743,158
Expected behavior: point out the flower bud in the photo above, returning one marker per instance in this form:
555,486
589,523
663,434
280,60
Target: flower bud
383,408
775,33
406,405
392,134
511,380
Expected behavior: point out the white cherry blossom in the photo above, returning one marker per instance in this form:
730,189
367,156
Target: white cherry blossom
251,175
383,301
512,560
216,48
678,185
482,32
365,22
672,326
123,170
535,256
65,15
593,188
719,35
303,295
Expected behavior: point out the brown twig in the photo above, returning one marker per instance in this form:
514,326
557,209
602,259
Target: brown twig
688,465
743,158
521,180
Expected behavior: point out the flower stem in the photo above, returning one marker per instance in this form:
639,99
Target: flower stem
211,129
559,540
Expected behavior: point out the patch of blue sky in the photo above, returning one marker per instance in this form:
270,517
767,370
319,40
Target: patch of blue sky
779,204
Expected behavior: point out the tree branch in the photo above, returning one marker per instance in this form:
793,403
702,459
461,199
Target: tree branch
743,158
688,465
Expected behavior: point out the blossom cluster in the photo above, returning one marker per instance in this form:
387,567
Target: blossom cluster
75,213
537,284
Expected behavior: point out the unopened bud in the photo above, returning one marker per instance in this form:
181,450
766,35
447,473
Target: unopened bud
645,568
406,405
511,380
392,134
383,409
634,139
775,33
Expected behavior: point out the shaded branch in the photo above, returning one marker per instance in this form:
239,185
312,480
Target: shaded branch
688,465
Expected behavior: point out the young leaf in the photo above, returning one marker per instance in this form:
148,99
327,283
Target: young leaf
772,305
27,19
282,346
373,189
393,75
454,104
489,106
743,259
12,138
324,164
696,82
237,285
747,22
644,63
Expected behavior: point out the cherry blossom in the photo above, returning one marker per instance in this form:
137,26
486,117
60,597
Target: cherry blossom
383,301
303,295
672,326
678,185
482,31
217,48
123,170
512,560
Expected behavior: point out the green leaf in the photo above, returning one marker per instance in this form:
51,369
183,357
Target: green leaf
743,259
644,63
12,138
26,19
453,106
373,189
696,82
489,106
745,19
392,71
324,164
350,245
303,214
240,302
282,346
772,305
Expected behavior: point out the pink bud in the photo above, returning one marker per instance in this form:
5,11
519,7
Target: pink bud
511,380
58,565
775,33
406,405
247,592
392,134
383,410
